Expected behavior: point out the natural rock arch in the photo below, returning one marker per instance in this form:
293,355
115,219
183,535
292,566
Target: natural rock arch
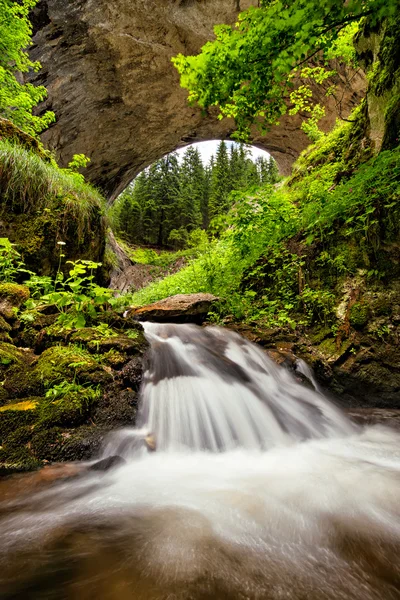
116,95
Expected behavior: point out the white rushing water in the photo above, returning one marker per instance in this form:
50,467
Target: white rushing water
210,389
260,489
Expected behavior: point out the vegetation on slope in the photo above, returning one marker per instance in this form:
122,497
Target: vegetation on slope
41,204
170,200
286,252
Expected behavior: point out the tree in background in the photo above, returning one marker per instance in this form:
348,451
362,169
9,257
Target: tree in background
18,99
192,189
169,201
267,170
220,183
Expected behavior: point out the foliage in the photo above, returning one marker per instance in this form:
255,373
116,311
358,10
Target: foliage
17,100
282,252
247,71
10,261
168,201
64,388
78,298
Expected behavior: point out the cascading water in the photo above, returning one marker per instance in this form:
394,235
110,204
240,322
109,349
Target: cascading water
210,389
259,489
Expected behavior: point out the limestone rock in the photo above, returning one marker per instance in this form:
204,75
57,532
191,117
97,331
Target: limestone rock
116,95
179,308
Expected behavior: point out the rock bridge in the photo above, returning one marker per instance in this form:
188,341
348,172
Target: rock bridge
116,95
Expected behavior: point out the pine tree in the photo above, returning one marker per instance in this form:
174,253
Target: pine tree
220,183
267,170
192,190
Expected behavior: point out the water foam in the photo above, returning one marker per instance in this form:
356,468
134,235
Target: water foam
295,503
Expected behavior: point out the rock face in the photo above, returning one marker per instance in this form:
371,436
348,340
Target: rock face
116,95
95,378
181,308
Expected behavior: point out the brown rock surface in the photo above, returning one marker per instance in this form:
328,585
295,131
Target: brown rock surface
178,308
116,95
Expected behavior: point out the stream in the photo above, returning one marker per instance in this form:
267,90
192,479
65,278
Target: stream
238,483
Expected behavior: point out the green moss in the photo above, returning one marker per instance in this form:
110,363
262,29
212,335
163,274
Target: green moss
97,342
70,410
320,334
382,306
332,351
113,358
384,72
359,315
10,355
18,414
46,444
70,363
19,293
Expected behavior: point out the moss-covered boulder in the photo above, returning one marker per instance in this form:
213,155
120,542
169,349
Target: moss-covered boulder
12,133
359,315
71,363
125,342
41,205
61,404
12,296
5,329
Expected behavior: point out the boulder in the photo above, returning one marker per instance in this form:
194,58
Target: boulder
181,308
12,296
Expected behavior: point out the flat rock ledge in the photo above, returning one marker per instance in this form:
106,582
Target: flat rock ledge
181,308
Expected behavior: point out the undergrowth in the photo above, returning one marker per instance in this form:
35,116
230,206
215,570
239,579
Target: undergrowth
284,252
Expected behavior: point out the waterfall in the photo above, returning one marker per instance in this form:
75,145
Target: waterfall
258,489
302,367
210,389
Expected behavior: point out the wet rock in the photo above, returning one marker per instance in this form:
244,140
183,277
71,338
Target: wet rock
375,416
106,464
181,308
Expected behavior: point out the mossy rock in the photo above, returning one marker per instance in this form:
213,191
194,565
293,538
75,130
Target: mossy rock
10,355
114,358
56,364
96,342
15,364
320,334
46,444
69,363
331,351
70,410
12,133
12,296
30,429
15,452
359,315
18,414
4,326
